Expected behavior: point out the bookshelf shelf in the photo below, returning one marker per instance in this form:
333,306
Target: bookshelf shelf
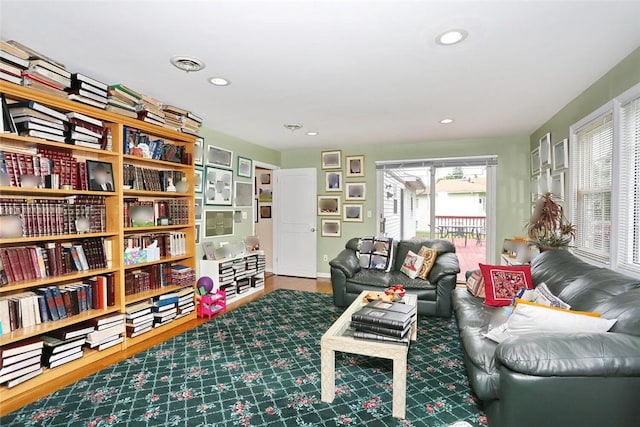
57,237
42,328
55,279
160,329
141,296
152,162
156,228
25,192
160,261
163,194
20,143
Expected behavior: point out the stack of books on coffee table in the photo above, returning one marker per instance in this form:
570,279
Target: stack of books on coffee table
384,321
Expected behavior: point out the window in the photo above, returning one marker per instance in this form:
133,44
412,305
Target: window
605,185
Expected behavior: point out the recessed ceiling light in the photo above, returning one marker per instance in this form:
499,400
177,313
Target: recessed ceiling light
312,133
219,81
293,126
451,37
446,121
187,63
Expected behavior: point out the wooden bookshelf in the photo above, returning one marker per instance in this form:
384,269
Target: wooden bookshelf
115,231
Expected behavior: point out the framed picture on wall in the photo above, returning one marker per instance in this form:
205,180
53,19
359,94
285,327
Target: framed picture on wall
545,151
198,209
535,161
198,178
219,157
355,191
557,185
329,205
333,181
265,212
352,213
218,187
332,159
355,166
244,194
218,223
331,228
244,167
100,176
198,148
197,232
561,155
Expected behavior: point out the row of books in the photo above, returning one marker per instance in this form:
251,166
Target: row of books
54,303
139,144
22,65
170,244
140,178
144,213
384,321
157,276
50,217
241,286
51,259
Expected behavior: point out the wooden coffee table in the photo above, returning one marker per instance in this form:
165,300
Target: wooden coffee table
338,338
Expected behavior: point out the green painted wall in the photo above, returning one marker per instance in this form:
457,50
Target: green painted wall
240,148
513,199
623,76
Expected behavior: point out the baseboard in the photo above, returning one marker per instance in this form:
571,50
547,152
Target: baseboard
324,275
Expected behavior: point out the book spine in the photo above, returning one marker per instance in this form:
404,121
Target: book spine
387,323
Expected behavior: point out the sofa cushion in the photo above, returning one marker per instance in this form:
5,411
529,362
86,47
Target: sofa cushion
471,311
588,291
558,269
480,362
412,264
429,256
501,283
475,284
626,308
366,280
404,246
376,253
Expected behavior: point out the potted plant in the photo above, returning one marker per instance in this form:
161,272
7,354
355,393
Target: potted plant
548,227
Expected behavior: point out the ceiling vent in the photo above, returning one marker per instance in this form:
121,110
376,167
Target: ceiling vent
187,63
293,126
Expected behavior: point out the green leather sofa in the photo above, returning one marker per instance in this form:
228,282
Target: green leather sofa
559,380
434,294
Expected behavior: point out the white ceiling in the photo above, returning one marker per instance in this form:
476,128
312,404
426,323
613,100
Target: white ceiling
358,72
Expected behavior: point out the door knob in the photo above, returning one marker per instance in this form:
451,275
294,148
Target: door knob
313,230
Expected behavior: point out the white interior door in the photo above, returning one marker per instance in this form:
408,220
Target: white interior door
295,215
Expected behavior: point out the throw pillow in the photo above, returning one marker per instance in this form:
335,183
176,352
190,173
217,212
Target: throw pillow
375,253
502,283
528,318
542,295
475,284
429,256
412,264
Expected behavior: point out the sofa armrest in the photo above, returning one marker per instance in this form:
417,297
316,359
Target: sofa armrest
446,264
347,262
561,355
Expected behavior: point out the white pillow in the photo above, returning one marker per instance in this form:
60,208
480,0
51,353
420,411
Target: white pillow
529,318
542,295
412,264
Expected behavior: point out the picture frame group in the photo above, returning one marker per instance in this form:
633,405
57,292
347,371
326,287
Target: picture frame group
218,187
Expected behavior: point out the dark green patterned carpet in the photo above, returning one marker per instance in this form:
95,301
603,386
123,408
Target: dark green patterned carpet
259,365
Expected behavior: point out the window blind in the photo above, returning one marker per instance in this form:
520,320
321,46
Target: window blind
439,163
629,217
593,178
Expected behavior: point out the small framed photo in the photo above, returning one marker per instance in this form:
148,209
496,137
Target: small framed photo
544,182
332,159
198,209
557,185
333,181
197,232
355,191
329,205
561,155
265,212
218,188
198,178
331,228
545,151
265,195
244,167
219,157
198,148
244,194
535,161
353,213
355,166
218,223
100,176
265,178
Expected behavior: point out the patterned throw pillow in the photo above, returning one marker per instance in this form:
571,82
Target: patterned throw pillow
375,253
502,283
429,256
412,264
475,284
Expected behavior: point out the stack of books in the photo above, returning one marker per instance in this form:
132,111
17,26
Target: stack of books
243,285
20,362
384,321
139,318
257,282
150,111
13,61
108,332
60,351
88,91
185,301
164,309
44,73
262,263
122,100
181,120
181,275
86,131
36,120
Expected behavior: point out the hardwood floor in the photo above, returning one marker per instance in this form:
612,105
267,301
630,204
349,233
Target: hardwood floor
271,284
